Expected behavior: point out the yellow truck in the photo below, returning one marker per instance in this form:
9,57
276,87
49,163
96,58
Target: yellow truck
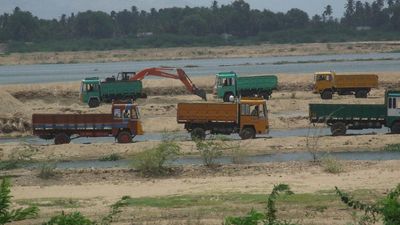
327,83
247,117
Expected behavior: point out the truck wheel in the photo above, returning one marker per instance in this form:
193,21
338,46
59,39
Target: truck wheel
124,137
247,133
198,134
361,94
338,129
326,94
62,138
93,103
395,129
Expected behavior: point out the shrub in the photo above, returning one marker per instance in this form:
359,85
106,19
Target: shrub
111,157
269,217
75,218
209,151
392,148
7,215
332,165
151,162
47,171
388,208
238,155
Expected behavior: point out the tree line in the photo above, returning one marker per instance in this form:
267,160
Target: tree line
236,20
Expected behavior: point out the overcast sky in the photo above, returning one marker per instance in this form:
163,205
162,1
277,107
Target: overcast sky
55,8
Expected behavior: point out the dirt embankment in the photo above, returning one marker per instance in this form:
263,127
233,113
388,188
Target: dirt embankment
199,52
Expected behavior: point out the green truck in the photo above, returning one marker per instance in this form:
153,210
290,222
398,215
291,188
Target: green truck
229,84
340,117
94,91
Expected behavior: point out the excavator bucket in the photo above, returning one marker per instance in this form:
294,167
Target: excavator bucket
201,93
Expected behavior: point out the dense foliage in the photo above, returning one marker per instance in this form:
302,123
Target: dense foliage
235,23
386,210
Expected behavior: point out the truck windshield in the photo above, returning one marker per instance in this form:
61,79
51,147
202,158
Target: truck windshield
92,87
320,77
253,110
225,82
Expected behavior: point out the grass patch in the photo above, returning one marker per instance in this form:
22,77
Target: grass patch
184,201
392,148
51,202
47,171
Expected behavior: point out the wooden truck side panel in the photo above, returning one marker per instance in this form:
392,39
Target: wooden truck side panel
355,81
90,125
207,112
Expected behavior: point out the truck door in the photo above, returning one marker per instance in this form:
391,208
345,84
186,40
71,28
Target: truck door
225,86
254,115
394,105
323,82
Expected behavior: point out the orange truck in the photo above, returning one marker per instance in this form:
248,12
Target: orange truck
247,117
327,83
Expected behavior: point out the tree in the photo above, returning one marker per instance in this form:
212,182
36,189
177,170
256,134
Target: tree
296,18
93,24
327,13
21,25
348,14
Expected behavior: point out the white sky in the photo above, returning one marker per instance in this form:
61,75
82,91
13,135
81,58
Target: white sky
55,8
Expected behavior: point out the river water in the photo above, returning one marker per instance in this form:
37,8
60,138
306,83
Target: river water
43,73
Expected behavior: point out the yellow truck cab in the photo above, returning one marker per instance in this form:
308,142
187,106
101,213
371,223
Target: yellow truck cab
327,83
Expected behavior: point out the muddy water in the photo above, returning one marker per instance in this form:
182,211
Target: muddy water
278,157
258,65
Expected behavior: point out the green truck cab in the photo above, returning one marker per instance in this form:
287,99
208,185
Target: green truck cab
94,90
229,84
341,117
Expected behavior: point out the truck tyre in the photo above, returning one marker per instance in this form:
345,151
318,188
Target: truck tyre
198,133
361,94
226,96
395,129
124,137
93,103
338,129
61,138
327,94
247,133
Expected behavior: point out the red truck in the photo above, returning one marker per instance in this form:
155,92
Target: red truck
123,123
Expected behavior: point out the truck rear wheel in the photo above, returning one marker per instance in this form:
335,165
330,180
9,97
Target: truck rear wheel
327,94
124,137
361,94
93,103
198,133
62,138
395,129
338,129
247,133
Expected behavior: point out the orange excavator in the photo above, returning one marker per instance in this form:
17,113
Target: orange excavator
167,73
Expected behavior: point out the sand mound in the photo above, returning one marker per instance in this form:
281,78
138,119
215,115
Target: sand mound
14,115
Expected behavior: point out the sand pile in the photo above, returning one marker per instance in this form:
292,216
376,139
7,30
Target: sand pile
14,115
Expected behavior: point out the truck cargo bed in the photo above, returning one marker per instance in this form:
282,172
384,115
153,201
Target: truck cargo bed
356,81
266,82
320,113
207,112
42,122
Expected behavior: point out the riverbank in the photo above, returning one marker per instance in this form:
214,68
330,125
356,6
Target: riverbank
262,50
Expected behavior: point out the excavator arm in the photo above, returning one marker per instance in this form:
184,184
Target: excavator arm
166,72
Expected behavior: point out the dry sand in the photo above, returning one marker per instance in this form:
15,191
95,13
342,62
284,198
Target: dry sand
199,52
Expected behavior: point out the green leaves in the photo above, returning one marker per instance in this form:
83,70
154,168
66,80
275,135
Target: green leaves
6,214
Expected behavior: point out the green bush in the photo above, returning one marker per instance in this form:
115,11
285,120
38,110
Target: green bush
75,218
209,150
6,214
269,217
386,209
111,157
332,165
47,171
392,148
151,162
